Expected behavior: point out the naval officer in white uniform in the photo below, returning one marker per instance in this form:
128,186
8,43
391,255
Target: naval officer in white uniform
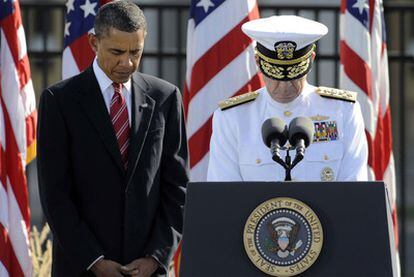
284,53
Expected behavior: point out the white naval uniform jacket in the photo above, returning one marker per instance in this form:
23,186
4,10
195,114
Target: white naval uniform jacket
237,151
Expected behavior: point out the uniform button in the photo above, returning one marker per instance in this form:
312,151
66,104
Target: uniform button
258,161
325,157
327,174
287,113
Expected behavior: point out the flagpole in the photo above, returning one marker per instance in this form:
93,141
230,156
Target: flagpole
402,210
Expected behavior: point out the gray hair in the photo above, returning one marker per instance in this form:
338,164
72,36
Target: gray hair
122,15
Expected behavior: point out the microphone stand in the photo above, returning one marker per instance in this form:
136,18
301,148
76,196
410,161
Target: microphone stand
287,163
288,167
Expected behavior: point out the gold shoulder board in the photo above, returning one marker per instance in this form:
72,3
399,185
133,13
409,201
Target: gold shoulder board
238,100
339,94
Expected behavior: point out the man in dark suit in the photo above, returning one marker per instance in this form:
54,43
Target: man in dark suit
112,157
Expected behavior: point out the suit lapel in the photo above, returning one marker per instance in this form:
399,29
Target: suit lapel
142,111
94,107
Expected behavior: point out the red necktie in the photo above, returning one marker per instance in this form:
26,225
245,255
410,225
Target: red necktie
120,122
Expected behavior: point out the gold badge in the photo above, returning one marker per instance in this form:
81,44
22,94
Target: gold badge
285,49
283,237
319,117
327,174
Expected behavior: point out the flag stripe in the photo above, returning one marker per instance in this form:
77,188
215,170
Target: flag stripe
186,97
7,258
371,152
199,170
377,163
367,108
4,244
200,141
10,93
69,66
387,142
382,144
220,55
4,211
223,85
19,238
14,169
3,166
17,234
177,259
9,25
14,39
356,67
18,118
82,52
357,43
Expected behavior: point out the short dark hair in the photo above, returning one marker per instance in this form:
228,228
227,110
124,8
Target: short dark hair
122,15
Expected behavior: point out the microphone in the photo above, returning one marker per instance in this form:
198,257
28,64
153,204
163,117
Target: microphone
274,134
301,131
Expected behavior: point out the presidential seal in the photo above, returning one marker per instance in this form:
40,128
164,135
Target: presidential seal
283,237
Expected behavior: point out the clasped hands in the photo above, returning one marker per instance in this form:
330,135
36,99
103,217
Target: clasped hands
143,267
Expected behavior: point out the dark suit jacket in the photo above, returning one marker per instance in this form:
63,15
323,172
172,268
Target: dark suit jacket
92,205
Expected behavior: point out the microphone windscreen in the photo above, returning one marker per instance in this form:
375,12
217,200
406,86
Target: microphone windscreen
301,128
274,128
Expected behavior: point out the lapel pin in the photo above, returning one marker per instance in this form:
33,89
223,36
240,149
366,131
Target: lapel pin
143,106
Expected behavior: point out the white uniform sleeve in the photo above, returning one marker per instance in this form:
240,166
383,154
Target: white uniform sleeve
355,159
223,162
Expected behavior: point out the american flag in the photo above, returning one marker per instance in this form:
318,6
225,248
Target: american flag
18,118
220,64
77,54
364,69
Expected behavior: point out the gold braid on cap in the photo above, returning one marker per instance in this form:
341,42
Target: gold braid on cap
297,69
273,71
286,62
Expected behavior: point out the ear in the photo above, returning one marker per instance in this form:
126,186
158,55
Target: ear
313,55
256,58
93,42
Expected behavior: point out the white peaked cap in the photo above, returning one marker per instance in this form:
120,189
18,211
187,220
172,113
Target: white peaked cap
271,30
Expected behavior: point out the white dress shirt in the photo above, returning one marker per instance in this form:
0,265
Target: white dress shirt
107,89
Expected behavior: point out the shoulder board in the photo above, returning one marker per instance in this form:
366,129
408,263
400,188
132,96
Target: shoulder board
238,100
339,94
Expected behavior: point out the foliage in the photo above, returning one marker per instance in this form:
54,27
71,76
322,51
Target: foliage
41,249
